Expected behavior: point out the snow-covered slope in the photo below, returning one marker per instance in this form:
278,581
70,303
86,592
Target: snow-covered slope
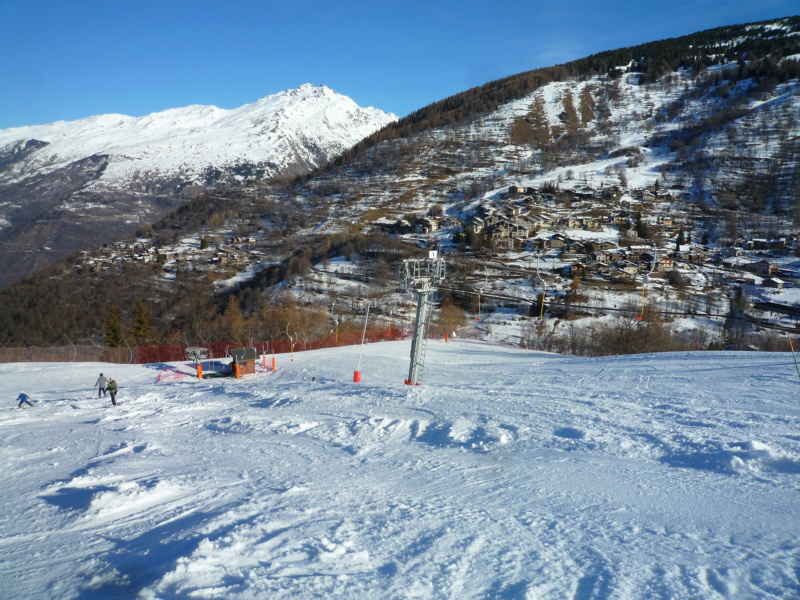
304,126
507,475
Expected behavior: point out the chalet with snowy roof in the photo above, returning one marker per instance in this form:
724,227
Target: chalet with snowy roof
604,257
757,244
616,254
499,230
521,230
664,264
778,244
583,192
399,227
577,270
493,218
635,253
476,224
511,210
665,220
694,254
599,269
601,245
760,267
574,248
618,219
735,261
540,221
624,272
592,223
773,282
503,243
425,225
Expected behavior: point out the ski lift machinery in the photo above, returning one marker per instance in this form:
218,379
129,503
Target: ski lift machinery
421,276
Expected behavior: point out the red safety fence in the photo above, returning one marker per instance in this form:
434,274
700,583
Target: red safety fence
157,354
166,353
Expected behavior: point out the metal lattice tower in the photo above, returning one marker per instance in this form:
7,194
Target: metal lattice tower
422,277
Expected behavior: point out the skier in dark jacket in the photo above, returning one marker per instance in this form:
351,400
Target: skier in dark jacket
23,397
113,389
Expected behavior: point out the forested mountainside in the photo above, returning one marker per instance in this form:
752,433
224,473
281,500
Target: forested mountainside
573,193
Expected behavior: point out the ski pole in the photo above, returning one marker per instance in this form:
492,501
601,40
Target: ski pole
793,354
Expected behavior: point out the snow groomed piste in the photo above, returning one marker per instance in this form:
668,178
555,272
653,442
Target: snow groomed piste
505,475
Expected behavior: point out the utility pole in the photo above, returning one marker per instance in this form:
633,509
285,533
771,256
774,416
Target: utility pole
422,276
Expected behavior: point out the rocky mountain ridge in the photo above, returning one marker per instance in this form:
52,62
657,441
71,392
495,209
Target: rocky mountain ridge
68,185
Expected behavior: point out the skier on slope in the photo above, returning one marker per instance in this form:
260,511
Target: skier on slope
101,384
112,389
23,397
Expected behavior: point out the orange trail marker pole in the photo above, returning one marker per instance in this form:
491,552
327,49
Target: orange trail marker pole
357,374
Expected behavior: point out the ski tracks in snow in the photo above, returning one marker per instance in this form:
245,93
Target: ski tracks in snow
505,476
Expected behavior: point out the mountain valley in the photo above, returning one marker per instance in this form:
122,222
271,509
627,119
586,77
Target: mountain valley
653,191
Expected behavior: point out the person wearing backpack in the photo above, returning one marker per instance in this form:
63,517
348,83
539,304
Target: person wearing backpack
113,389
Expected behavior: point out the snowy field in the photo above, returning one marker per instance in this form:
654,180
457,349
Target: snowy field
507,475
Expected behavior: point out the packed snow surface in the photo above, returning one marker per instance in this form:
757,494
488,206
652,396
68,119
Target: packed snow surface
507,475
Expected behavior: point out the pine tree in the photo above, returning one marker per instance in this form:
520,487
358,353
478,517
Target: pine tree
113,329
142,329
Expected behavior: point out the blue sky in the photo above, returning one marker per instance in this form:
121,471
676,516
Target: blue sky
68,59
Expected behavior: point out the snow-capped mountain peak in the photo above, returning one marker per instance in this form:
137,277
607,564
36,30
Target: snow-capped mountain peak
99,178
303,127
